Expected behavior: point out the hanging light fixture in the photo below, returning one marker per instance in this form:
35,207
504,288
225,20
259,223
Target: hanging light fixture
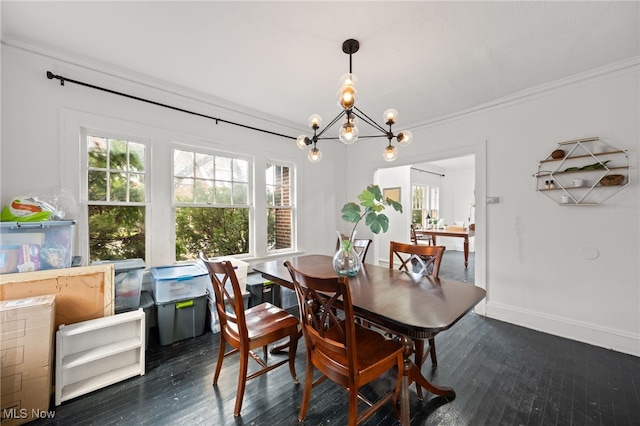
348,132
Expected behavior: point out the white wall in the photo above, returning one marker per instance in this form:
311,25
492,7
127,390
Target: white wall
536,274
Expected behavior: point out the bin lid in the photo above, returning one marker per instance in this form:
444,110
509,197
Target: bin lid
123,265
37,225
178,272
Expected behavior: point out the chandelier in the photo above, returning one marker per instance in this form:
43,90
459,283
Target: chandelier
349,116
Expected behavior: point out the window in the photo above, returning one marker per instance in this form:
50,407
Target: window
211,199
116,198
279,207
425,203
418,204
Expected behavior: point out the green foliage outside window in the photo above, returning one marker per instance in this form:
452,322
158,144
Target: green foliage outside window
214,231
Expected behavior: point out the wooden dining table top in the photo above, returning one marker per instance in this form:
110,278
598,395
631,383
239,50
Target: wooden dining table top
447,232
414,305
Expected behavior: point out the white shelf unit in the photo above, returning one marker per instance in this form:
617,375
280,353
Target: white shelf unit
588,160
97,353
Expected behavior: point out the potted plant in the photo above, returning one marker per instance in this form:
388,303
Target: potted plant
346,261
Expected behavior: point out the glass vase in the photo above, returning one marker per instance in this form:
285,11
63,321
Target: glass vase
346,262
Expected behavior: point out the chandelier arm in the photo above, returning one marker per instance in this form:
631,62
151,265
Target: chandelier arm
369,121
334,121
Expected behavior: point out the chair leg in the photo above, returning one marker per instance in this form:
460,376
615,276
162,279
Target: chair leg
293,347
306,394
221,349
353,406
242,381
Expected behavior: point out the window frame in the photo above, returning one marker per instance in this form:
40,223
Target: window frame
85,132
250,192
291,207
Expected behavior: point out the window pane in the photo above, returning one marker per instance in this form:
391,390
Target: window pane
214,231
116,232
183,163
136,188
223,168
117,155
204,166
204,191
97,181
117,187
183,190
136,157
278,229
223,193
97,152
240,170
240,193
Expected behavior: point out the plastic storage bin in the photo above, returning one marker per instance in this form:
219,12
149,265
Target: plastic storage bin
34,246
181,319
128,282
171,283
262,290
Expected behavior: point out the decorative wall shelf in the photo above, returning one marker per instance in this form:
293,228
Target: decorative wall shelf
583,172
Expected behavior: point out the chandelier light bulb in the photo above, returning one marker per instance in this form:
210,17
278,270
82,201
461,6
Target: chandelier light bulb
315,121
348,133
390,153
348,80
390,116
314,155
405,137
347,97
302,141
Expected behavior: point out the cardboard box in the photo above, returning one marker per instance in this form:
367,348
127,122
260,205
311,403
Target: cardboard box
26,348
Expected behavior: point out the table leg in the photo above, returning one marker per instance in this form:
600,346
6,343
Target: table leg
412,374
466,252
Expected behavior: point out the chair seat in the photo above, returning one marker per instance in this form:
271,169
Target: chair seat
372,346
265,318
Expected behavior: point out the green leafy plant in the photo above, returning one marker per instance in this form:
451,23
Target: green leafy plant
372,203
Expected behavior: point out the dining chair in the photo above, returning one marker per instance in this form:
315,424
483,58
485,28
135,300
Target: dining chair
423,238
360,245
425,260
343,351
247,330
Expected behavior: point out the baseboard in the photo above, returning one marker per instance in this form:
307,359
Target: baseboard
616,340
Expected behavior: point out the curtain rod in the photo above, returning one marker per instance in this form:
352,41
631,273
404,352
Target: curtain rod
427,171
62,79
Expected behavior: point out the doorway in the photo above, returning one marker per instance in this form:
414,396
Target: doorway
471,206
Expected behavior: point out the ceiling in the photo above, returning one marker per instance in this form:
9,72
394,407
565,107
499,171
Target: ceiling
425,59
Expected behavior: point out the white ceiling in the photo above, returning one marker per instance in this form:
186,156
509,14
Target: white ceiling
425,59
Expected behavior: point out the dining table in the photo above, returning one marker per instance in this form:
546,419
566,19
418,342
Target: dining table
458,233
411,306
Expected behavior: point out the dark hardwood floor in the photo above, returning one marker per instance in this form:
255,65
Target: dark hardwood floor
502,374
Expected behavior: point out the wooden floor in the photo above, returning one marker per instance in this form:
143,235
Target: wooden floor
502,374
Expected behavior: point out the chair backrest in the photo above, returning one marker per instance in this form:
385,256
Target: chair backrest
228,297
360,245
472,227
414,237
409,256
327,335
